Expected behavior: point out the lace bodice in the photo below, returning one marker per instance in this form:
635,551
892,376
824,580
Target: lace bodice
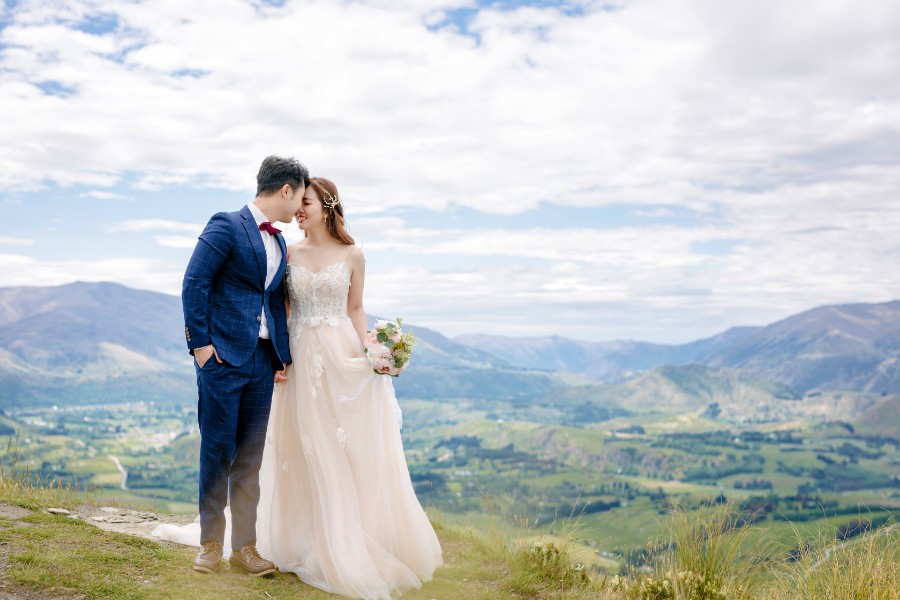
317,298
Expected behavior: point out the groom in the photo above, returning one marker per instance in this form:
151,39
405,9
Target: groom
236,328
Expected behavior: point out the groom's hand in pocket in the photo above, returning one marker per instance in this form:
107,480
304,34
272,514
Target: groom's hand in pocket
201,355
281,376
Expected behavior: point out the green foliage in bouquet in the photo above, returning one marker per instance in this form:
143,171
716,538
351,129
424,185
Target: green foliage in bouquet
400,349
388,347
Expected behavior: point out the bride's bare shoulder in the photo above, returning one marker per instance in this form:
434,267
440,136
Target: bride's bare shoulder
356,256
297,247
356,260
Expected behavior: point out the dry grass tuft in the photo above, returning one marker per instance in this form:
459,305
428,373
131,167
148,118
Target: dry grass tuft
866,567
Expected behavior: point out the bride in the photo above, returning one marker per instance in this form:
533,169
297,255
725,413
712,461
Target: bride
337,506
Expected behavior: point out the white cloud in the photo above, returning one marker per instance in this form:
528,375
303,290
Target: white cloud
103,195
175,241
19,270
135,225
674,303
658,282
773,123
655,213
15,241
175,231
649,104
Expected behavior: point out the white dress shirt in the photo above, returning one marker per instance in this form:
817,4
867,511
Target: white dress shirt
273,260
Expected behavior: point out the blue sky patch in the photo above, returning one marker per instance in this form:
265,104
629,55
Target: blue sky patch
55,88
193,73
461,18
98,24
550,215
715,247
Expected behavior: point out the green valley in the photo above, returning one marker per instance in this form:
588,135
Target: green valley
614,480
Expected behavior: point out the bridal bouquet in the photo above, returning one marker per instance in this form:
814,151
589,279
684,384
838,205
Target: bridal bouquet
388,348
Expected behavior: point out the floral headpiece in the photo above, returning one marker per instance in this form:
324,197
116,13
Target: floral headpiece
330,201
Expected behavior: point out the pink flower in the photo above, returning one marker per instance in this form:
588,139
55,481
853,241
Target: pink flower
377,351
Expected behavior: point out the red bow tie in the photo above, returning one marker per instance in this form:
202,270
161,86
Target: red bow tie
267,227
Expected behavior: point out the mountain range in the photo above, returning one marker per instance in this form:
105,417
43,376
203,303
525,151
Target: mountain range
102,342
99,342
853,347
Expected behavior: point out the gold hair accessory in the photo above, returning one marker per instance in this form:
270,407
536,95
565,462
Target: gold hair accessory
331,201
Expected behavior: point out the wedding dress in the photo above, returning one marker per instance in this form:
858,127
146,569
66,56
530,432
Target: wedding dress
337,506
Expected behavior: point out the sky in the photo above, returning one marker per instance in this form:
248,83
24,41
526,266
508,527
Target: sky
658,170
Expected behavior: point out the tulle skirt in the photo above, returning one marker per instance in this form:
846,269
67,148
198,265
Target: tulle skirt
337,505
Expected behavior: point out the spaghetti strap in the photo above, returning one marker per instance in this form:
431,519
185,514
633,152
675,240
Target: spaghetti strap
352,248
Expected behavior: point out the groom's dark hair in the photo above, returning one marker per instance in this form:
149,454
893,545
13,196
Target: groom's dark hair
276,171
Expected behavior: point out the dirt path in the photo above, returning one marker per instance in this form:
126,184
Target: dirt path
124,484
126,520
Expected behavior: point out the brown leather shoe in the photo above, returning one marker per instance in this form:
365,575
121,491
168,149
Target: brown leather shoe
249,560
209,559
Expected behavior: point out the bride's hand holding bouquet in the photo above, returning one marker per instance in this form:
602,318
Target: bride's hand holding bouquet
388,347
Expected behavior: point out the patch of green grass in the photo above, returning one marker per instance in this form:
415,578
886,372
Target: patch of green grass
867,567
58,554
712,544
19,486
618,529
473,568
785,535
70,555
701,555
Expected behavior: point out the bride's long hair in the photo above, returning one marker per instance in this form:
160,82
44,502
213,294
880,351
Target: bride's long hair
334,216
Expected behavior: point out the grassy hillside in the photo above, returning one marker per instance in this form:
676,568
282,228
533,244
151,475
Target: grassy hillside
881,419
460,454
691,389
700,555
50,555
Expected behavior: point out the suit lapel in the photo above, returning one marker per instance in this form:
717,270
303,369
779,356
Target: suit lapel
256,241
281,265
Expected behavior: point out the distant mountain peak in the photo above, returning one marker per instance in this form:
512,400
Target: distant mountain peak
837,347
102,327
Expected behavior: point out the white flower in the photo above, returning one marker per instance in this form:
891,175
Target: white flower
318,365
378,351
307,444
318,320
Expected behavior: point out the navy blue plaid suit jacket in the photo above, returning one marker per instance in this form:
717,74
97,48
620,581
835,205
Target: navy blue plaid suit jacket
223,293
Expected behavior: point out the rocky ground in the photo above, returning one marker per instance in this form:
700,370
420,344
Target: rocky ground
126,520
